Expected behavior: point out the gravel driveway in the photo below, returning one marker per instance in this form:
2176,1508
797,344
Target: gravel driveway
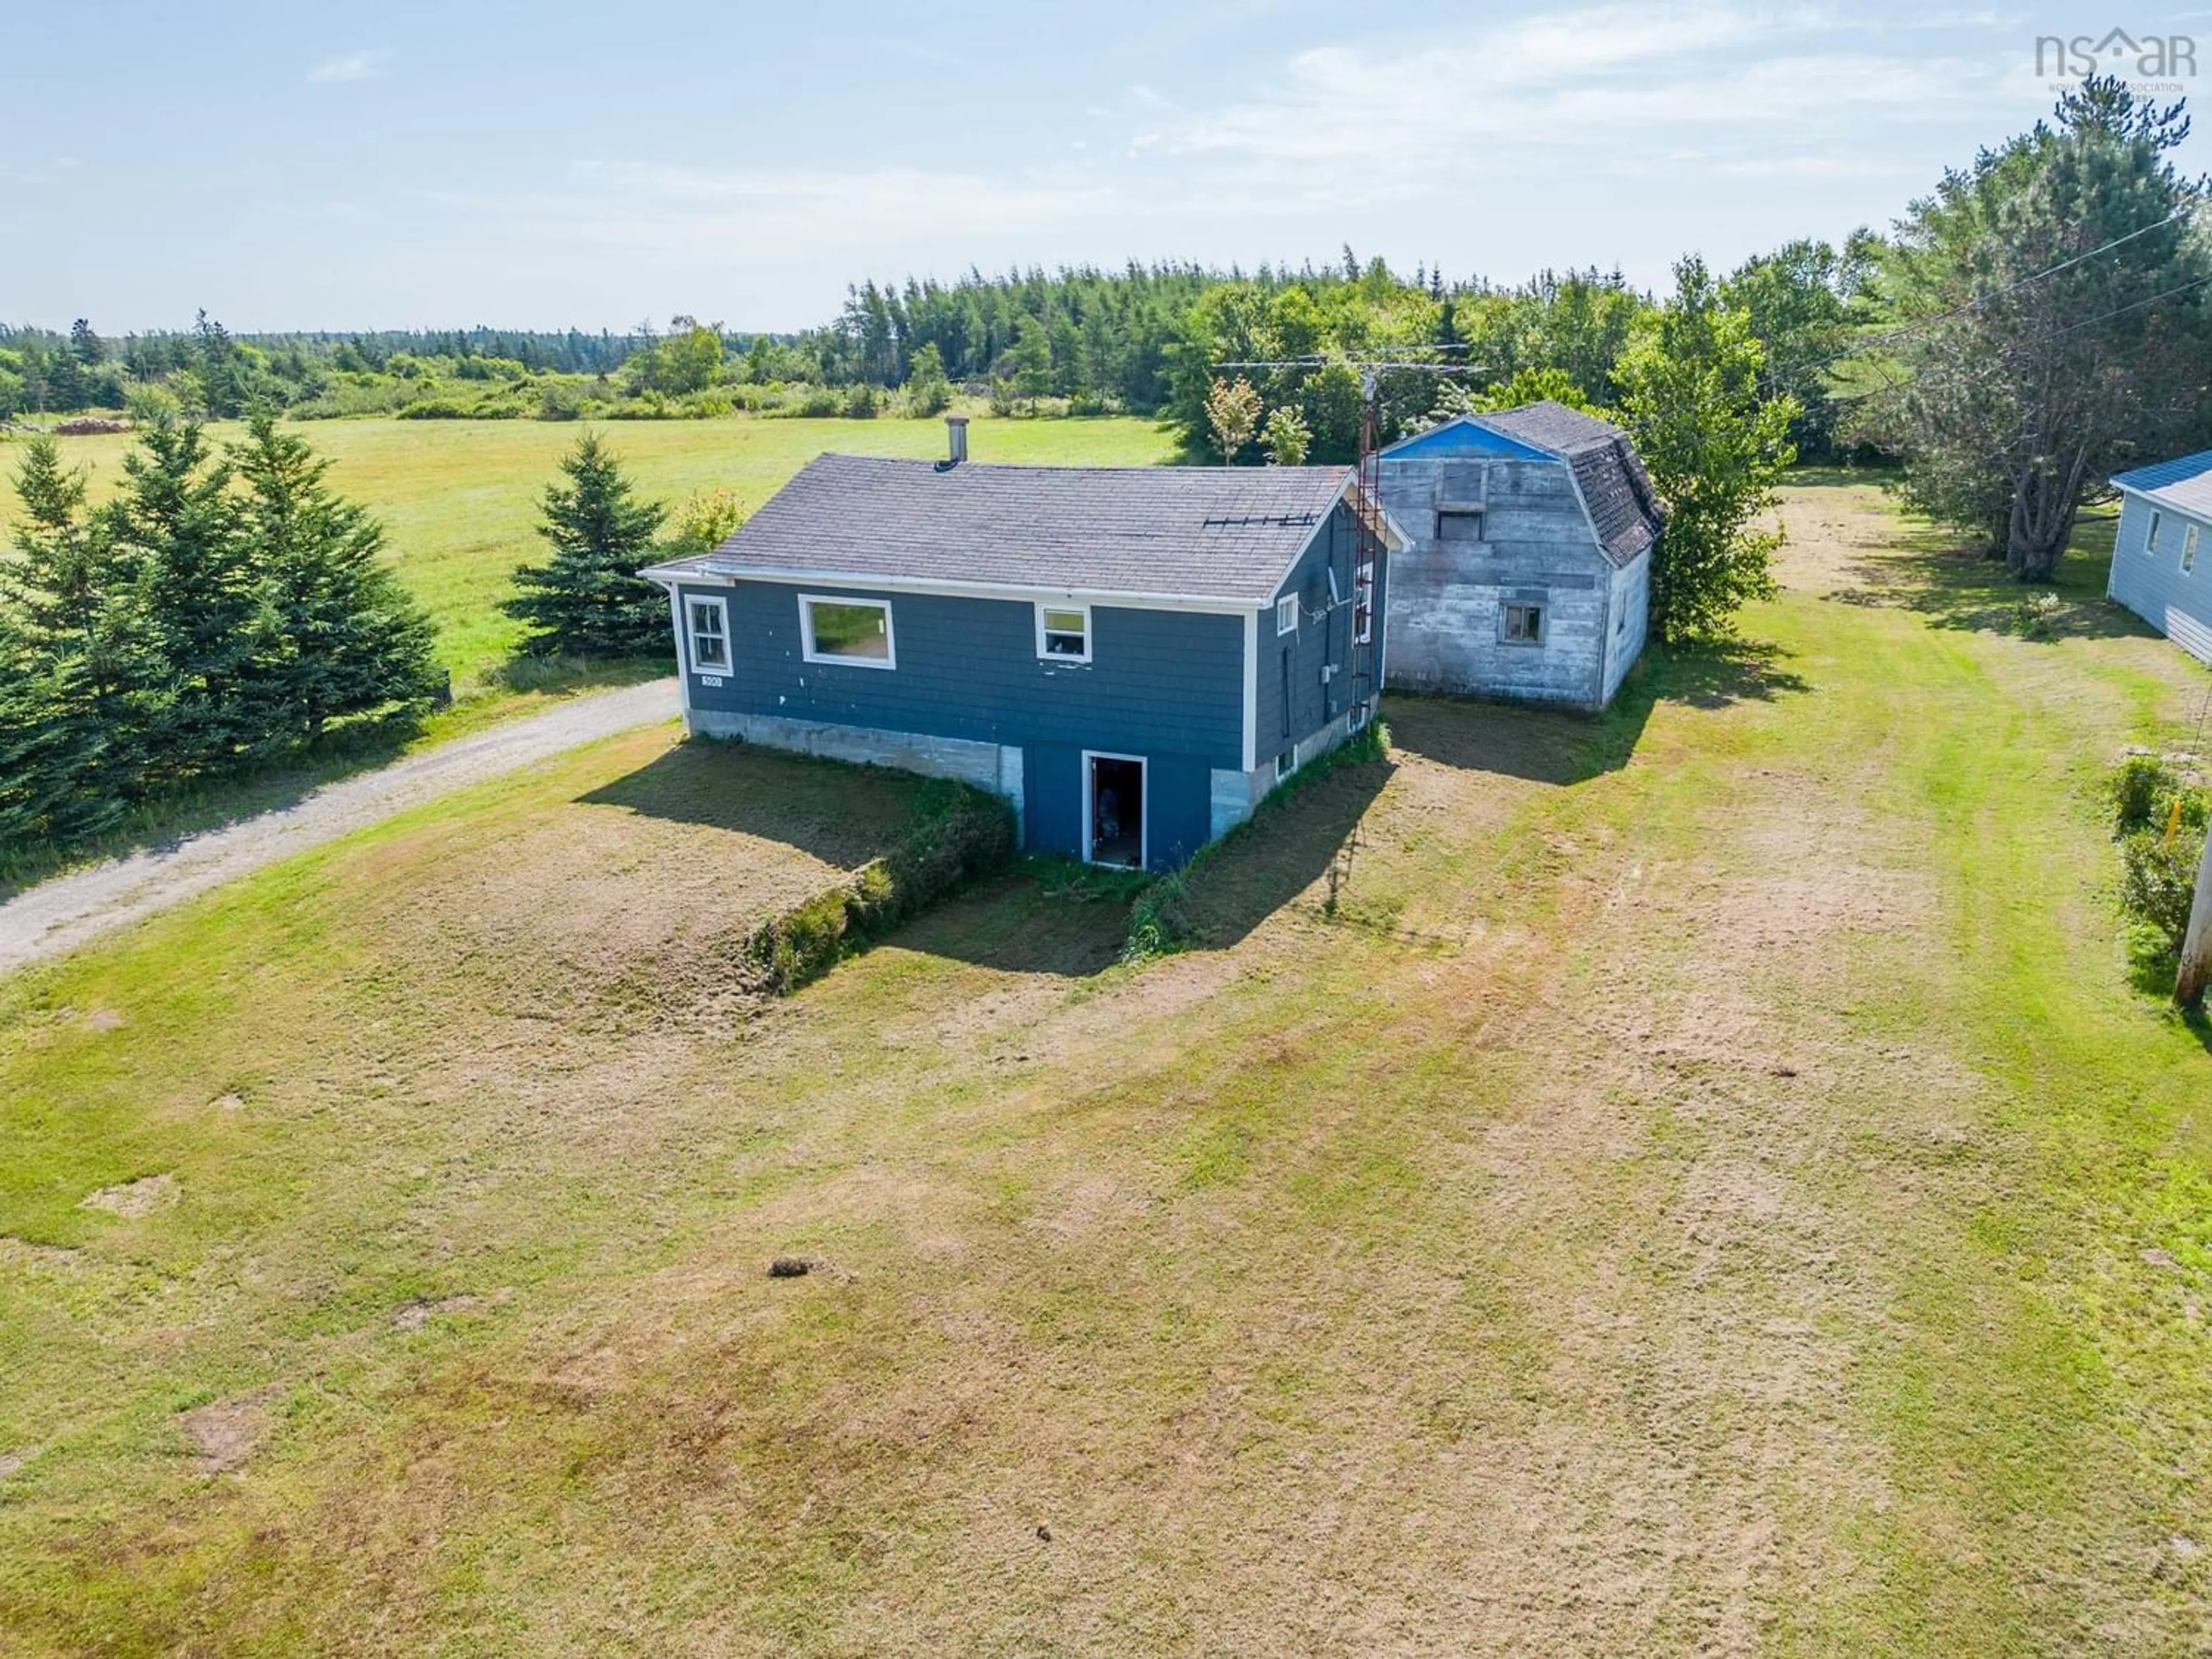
61,914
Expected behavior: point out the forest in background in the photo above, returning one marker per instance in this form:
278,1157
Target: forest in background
1142,340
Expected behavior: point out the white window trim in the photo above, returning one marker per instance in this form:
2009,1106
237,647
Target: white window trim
807,601
691,634
1144,807
1287,605
2150,535
1043,605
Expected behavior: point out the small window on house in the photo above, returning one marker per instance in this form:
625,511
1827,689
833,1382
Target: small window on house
1522,624
2150,541
1621,622
1461,525
2189,549
709,633
1287,614
855,631
1064,633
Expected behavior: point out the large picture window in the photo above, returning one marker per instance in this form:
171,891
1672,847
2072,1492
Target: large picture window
708,628
854,631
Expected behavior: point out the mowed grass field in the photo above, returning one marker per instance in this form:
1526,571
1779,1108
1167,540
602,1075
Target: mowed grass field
1695,1180
460,499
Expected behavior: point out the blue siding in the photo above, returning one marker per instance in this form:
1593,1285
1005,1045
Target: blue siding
1159,682
1294,701
2176,602
1178,815
1052,792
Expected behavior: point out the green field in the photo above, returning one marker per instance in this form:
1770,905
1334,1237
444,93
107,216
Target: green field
1694,1181
458,499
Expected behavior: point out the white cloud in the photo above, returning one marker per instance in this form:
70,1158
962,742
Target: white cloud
349,66
1621,85
668,210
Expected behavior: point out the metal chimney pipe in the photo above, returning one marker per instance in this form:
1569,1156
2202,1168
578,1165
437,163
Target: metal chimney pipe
955,433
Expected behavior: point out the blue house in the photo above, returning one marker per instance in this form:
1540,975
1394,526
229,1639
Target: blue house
1133,657
2160,570
1526,571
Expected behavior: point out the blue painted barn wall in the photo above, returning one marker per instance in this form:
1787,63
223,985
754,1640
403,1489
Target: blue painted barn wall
1462,437
1159,682
2152,585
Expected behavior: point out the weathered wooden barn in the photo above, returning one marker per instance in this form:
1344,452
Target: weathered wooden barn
1132,656
2162,554
1526,571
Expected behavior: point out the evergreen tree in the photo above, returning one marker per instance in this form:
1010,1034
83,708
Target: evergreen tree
339,636
70,740
927,389
2059,333
588,599
196,605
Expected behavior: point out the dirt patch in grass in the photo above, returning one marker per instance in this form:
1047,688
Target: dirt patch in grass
12,1460
22,1255
416,1315
1623,1221
227,1432
133,1198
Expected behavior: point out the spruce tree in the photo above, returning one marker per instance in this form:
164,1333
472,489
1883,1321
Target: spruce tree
339,635
73,714
588,599
197,606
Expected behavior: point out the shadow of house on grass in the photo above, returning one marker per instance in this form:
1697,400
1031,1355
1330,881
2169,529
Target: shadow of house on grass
1564,747
1293,840
1313,829
846,815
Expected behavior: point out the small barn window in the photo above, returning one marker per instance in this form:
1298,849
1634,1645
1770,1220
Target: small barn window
1287,614
2150,541
1522,624
855,631
2189,549
709,633
1064,633
1459,524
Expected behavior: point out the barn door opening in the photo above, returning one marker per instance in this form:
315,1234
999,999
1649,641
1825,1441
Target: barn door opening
1114,810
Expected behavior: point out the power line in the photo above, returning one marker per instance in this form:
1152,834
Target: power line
2032,277
2121,311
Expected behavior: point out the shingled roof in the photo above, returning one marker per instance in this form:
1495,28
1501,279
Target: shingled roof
1622,506
2185,482
1212,533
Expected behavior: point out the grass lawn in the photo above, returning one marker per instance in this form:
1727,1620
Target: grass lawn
458,499
1697,1180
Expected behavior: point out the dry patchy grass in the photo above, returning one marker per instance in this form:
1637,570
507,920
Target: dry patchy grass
1693,1181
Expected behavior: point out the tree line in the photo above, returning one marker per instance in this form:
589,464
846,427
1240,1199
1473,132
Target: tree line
225,608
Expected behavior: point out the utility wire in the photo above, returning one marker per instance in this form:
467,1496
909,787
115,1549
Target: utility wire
2122,311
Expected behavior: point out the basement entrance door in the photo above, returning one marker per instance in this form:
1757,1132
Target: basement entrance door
1114,810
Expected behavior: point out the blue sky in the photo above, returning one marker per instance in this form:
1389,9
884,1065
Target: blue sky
402,165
